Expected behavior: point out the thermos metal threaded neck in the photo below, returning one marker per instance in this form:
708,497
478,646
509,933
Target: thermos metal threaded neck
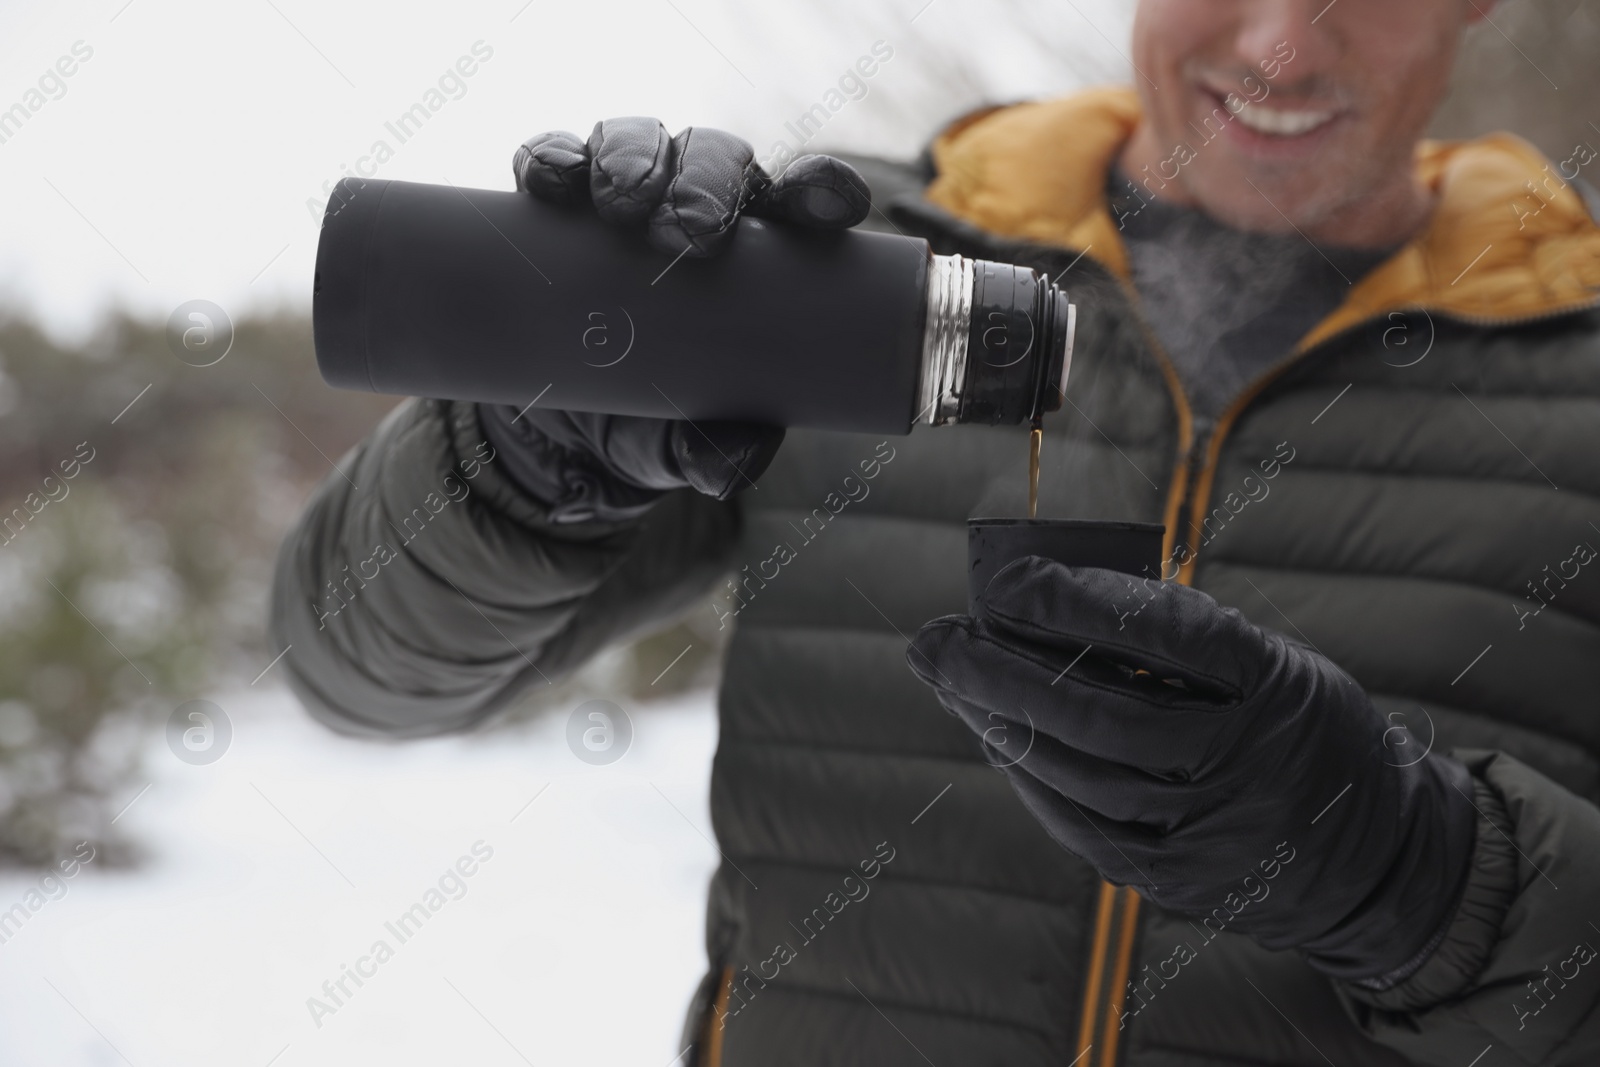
996,345
944,344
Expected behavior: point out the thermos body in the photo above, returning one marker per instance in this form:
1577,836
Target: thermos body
468,294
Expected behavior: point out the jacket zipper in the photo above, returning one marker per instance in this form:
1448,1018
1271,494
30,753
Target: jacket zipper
1116,926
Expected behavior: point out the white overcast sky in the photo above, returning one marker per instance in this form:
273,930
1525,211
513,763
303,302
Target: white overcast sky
178,162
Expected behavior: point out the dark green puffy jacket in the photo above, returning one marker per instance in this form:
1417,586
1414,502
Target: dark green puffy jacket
1415,490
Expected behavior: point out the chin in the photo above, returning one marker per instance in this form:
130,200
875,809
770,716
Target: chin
1266,199
1229,199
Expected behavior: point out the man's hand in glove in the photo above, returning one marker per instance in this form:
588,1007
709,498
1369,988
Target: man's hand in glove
1178,746
689,190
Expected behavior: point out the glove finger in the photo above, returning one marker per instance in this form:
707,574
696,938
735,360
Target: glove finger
561,459
712,177
720,459
1093,705
1112,790
634,450
818,191
1121,852
1168,629
553,166
629,165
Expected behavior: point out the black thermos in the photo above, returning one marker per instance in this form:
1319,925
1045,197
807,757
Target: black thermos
467,294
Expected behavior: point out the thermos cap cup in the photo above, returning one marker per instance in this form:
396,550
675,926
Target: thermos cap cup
1130,547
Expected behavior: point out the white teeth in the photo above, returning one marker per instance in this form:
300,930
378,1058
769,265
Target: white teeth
1280,123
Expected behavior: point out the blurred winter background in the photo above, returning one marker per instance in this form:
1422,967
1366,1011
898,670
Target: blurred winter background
185,157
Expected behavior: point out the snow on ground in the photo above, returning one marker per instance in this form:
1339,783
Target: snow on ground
578,940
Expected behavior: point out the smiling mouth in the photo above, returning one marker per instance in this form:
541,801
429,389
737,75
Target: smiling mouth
1284,122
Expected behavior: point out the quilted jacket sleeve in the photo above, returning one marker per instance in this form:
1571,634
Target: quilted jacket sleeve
422,590
1516,979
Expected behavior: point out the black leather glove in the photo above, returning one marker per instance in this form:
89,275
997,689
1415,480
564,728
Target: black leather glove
690,190
611,468
1227,773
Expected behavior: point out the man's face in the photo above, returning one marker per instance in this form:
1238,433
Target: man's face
1327,100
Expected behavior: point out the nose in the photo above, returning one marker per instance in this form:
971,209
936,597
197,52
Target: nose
1297,33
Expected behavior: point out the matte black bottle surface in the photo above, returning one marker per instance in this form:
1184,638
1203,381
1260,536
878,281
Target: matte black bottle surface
467,294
